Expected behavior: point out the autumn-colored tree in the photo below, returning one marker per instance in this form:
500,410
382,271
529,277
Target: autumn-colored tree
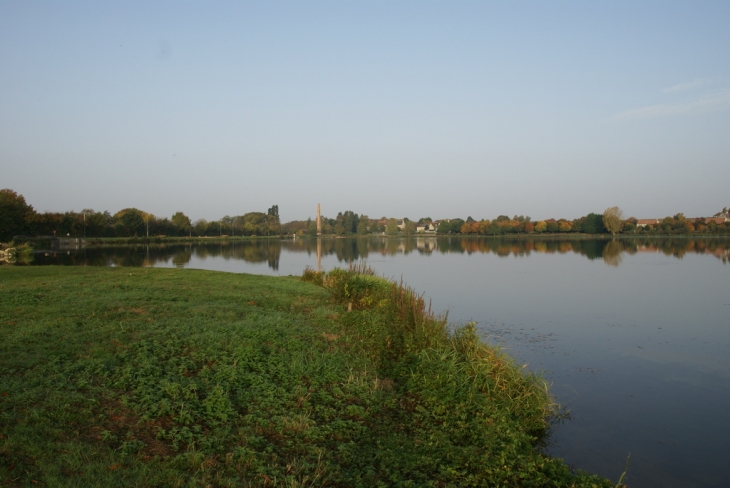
484,226
541,226
612,219
505,226
471,227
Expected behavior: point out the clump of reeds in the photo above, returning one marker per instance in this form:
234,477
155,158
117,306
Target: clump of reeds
312,276
409,327
357,287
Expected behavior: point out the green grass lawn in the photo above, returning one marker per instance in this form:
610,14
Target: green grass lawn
159,377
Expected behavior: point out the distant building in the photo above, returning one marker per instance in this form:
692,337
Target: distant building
694,221
645,222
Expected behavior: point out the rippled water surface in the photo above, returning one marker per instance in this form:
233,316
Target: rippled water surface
634,335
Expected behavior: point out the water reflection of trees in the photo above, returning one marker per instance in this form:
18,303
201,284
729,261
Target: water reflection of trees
252,251
355,249
255,251
182,257
611,251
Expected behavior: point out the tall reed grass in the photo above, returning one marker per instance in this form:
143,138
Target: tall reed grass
407,324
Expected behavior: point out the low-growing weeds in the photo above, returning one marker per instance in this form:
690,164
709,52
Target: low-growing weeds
153,377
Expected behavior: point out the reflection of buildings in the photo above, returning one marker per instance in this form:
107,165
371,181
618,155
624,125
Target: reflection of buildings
426,244
350,250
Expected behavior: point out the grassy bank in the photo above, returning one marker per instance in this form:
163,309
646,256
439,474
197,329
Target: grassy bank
156,377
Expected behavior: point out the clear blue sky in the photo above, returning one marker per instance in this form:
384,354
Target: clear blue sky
395,108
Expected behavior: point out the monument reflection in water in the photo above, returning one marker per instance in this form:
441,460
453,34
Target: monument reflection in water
633,334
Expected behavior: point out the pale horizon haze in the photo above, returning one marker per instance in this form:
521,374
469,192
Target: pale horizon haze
386,108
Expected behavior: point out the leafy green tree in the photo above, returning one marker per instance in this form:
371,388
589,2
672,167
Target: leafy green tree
392,228
456,225
444,228
182,222
14,214
362,225
95,224
256,224
377,227
328,226
272,220
163,226
311,227
493,228
200,228
409,228
593,224
226,225
348,221
130,222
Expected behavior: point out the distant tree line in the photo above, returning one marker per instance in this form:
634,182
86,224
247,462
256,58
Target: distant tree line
679,225
17,217
346,223
503,225
611,221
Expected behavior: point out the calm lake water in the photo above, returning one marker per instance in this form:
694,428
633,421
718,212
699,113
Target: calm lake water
634,334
